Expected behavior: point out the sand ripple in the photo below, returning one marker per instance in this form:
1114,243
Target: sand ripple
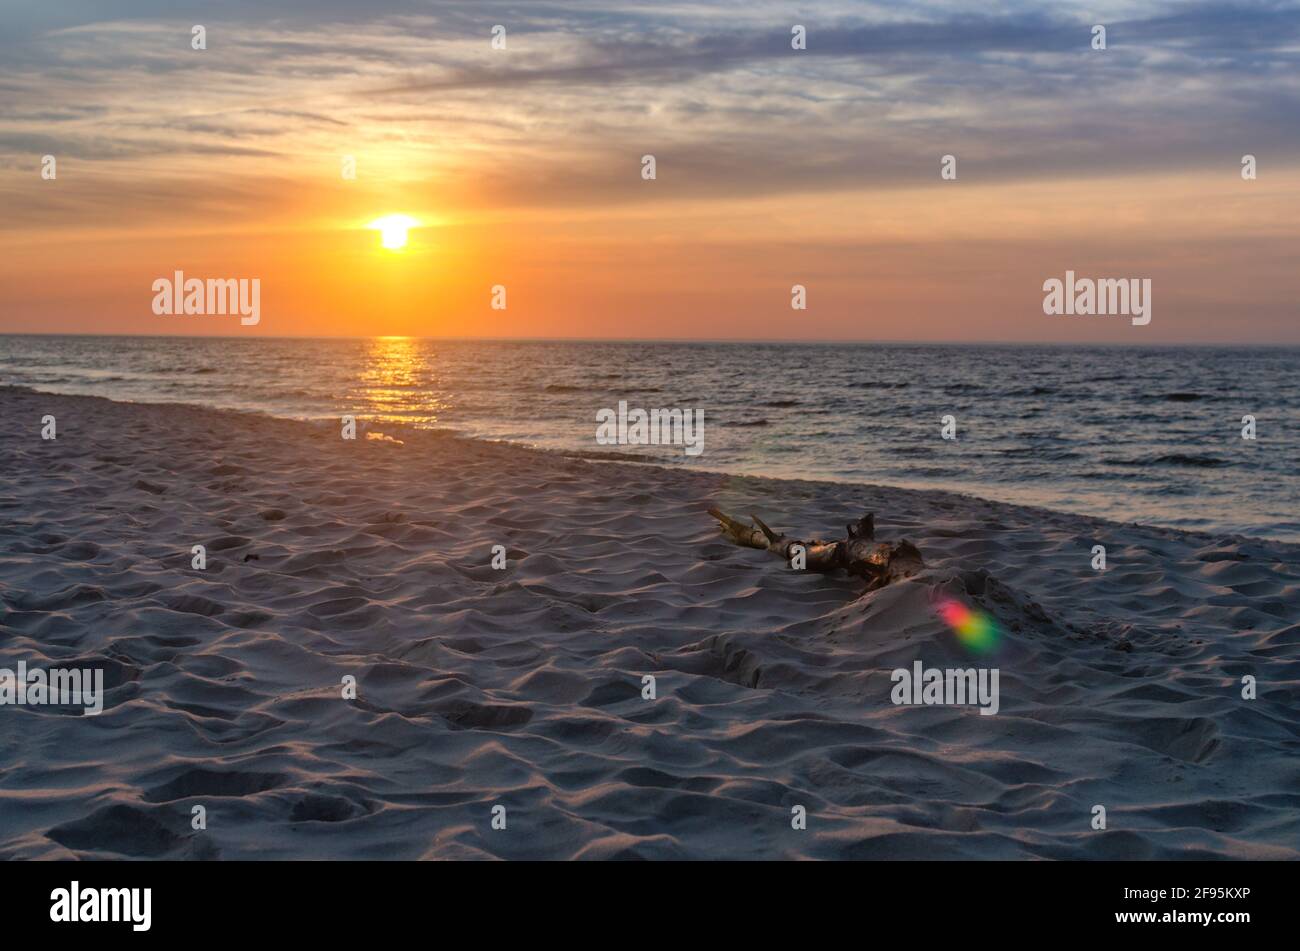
522,687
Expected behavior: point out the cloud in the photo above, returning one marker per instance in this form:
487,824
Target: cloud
712,89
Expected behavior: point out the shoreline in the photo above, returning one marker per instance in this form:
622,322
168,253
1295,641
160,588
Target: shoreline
368,566
614,457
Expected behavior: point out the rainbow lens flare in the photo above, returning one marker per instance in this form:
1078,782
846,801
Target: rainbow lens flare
977,630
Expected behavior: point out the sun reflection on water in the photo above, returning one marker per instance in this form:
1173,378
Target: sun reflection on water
399,382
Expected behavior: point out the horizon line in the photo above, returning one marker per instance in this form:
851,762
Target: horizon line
827,341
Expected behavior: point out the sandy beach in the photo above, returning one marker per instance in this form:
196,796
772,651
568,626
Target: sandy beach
522,687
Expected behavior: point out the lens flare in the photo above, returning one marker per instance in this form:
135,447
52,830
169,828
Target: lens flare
977,630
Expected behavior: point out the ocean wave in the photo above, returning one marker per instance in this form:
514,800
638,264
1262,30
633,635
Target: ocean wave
1042,423
581,388
1174,459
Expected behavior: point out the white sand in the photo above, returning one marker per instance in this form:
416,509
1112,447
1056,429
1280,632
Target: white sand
522,687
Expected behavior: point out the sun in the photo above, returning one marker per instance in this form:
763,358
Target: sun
392,229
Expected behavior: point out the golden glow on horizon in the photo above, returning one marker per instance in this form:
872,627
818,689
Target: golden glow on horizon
392,229
721,267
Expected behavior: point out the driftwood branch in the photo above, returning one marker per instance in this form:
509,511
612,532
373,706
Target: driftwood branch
858,554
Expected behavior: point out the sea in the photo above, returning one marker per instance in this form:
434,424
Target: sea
1135,434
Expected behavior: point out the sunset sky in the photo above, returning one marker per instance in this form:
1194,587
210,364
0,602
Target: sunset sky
774,167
